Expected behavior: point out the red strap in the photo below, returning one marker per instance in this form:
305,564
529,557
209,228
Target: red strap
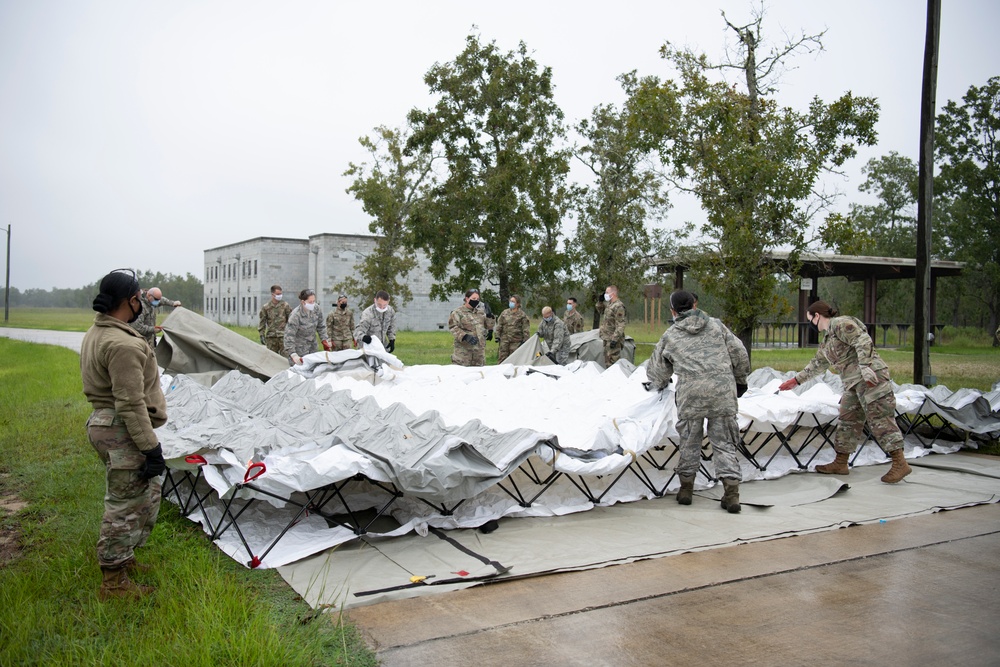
259,467
195,459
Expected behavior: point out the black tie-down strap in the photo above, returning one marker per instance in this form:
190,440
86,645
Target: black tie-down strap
425,581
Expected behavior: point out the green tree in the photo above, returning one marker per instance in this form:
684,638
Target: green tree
613,243
967,151
753,164
392,189
497,214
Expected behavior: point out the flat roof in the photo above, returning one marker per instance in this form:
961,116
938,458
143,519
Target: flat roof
854,267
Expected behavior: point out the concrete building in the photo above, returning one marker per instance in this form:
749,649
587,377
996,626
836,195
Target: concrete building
238,279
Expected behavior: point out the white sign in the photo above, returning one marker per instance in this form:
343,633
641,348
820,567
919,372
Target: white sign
806,285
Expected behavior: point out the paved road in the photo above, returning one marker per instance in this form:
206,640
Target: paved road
70,339
917,591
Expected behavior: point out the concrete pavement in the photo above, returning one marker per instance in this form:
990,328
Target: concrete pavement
70,339
916,591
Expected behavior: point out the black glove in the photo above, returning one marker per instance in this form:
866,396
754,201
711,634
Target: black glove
392,345
366,339
262,341
469,339
552,357
489,335
613,345
154,465
740,389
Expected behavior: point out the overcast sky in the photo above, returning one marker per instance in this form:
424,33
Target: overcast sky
142,133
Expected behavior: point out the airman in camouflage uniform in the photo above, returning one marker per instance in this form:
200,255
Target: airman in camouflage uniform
152,299
122,382
305,322
378,321
573,319
712,367
273,319
467,324
553,331
612,329
340,325
849,350
512,328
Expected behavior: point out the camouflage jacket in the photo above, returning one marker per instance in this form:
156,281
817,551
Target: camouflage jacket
273,318
709,361
119,373
340,324
463,320
556,336
513,325
573,321
613,322
376,324
847,347
301,331
145,324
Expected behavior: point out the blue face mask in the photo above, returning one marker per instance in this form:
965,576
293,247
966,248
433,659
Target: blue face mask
512,304
569,306
154,303
547,319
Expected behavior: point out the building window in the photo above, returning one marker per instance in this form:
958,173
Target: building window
255,275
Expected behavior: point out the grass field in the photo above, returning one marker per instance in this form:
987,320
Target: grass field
208,609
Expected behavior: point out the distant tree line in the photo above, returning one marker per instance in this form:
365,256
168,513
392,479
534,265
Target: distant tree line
187,289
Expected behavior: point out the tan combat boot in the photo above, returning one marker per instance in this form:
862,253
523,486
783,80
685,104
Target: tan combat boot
116,584
900,468
836,467
686,492
731,498
134,567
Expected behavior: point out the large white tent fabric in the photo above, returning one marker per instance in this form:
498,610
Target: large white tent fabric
324,453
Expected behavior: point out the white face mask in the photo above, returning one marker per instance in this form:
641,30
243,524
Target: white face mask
309,306
607,297
277,297
381,310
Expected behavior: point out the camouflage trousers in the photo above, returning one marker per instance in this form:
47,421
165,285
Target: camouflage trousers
468,355
723,433
131,504
342,344
276,344
507,347
611,356
877,406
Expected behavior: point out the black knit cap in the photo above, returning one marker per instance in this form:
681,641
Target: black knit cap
681,301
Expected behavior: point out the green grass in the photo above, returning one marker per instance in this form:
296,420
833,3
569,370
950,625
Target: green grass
208,609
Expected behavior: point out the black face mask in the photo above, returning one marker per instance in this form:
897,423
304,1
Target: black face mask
813,326
343,305
473,303
135,313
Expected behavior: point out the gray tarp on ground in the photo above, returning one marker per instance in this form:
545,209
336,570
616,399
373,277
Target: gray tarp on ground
198,347
585,346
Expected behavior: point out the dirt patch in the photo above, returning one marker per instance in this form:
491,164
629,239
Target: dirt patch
10,533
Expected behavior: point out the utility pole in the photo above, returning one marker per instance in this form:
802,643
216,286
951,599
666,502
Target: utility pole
6,289
925,197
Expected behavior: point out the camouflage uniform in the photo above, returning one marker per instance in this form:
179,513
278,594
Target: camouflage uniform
122,383
512,329
709,361
556,337
377,325
301,331
273,318
466,321
573,321
145,324
848,348
613,331
340,326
